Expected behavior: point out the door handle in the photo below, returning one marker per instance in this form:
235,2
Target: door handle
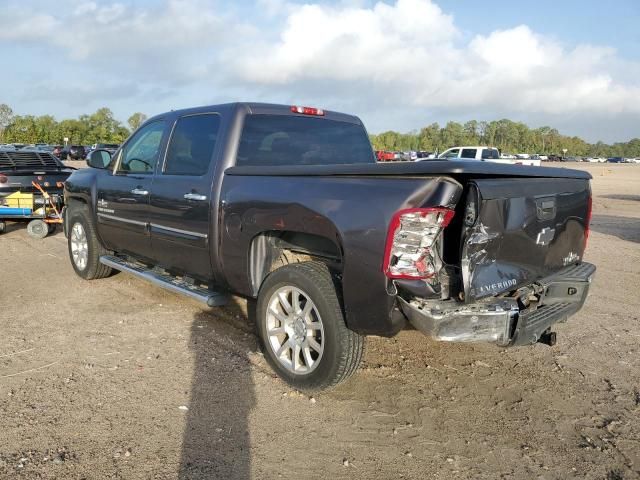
195,196
139,191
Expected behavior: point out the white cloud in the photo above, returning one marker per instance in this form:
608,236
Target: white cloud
387,60
411,52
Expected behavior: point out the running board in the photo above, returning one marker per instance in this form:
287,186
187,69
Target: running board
167,281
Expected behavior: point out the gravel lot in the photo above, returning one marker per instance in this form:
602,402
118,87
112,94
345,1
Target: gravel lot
118,379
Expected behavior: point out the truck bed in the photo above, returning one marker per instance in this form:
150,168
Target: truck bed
454,168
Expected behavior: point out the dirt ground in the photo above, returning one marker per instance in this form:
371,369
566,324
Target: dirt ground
119,379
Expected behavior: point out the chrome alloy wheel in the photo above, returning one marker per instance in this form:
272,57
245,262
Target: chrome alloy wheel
294,330
79,246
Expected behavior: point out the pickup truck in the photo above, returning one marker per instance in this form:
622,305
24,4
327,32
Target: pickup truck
486,154
287,207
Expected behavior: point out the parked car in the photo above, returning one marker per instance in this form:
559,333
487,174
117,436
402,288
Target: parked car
424,155
487,154
110,147
77,152
59,151
616,160
287,206
383,156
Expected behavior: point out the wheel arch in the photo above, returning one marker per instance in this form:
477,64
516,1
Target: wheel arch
272,249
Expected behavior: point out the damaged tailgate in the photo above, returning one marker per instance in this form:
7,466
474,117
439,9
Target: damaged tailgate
519,230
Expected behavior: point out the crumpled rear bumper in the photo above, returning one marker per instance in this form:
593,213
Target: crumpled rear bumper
500,320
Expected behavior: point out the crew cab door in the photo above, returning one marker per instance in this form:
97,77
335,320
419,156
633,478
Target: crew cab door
123,195
181,200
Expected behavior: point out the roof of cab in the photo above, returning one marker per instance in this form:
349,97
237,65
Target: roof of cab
257,108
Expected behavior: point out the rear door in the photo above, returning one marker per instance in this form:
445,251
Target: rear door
180,204
123,195
470,153
519,230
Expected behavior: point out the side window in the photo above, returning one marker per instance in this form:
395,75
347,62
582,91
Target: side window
192,144
490,153
468,153
140,153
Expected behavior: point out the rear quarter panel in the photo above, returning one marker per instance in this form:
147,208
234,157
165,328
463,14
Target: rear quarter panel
353,212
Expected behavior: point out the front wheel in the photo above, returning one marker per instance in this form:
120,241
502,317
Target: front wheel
85,247
302,328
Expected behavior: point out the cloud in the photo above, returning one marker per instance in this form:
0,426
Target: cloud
411,54
402,61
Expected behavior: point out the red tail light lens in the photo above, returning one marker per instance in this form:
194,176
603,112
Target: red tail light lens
307,110
411,237
3,178
587,222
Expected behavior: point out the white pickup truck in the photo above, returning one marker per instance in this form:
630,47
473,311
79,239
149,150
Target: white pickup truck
485,154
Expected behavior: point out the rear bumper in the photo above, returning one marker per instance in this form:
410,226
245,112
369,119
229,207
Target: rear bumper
501,320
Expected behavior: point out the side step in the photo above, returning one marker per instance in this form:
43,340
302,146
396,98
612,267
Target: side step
169,282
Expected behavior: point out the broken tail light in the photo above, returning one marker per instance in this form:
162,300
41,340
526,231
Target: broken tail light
410,241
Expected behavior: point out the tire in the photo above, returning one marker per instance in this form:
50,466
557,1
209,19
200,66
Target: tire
84,246
3,226
322,325
37,229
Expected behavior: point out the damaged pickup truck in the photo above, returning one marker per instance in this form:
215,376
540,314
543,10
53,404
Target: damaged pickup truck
287,207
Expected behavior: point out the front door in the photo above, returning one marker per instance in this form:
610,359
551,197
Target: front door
123,198
181,200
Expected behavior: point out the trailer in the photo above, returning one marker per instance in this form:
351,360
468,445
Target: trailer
44,211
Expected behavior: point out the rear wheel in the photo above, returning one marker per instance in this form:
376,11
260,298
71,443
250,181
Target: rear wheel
3,226
37,229
85,248
302,328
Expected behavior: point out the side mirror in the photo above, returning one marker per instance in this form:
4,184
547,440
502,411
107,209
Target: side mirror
99,159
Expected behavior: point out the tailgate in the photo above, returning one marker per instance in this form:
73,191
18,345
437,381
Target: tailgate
519,230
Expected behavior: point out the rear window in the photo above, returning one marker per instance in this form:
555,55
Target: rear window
490,153
294,140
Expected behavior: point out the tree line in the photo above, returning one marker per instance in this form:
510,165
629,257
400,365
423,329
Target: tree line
508,136
100,126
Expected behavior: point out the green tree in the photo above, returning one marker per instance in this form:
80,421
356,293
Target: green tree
6,114
136,120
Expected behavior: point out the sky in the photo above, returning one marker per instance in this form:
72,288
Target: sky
397,64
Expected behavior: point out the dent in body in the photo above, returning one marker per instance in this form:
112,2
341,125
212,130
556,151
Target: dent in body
502,248
352,212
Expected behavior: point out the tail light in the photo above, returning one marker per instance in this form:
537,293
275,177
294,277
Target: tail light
3,178
307,110
587,223
410,241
